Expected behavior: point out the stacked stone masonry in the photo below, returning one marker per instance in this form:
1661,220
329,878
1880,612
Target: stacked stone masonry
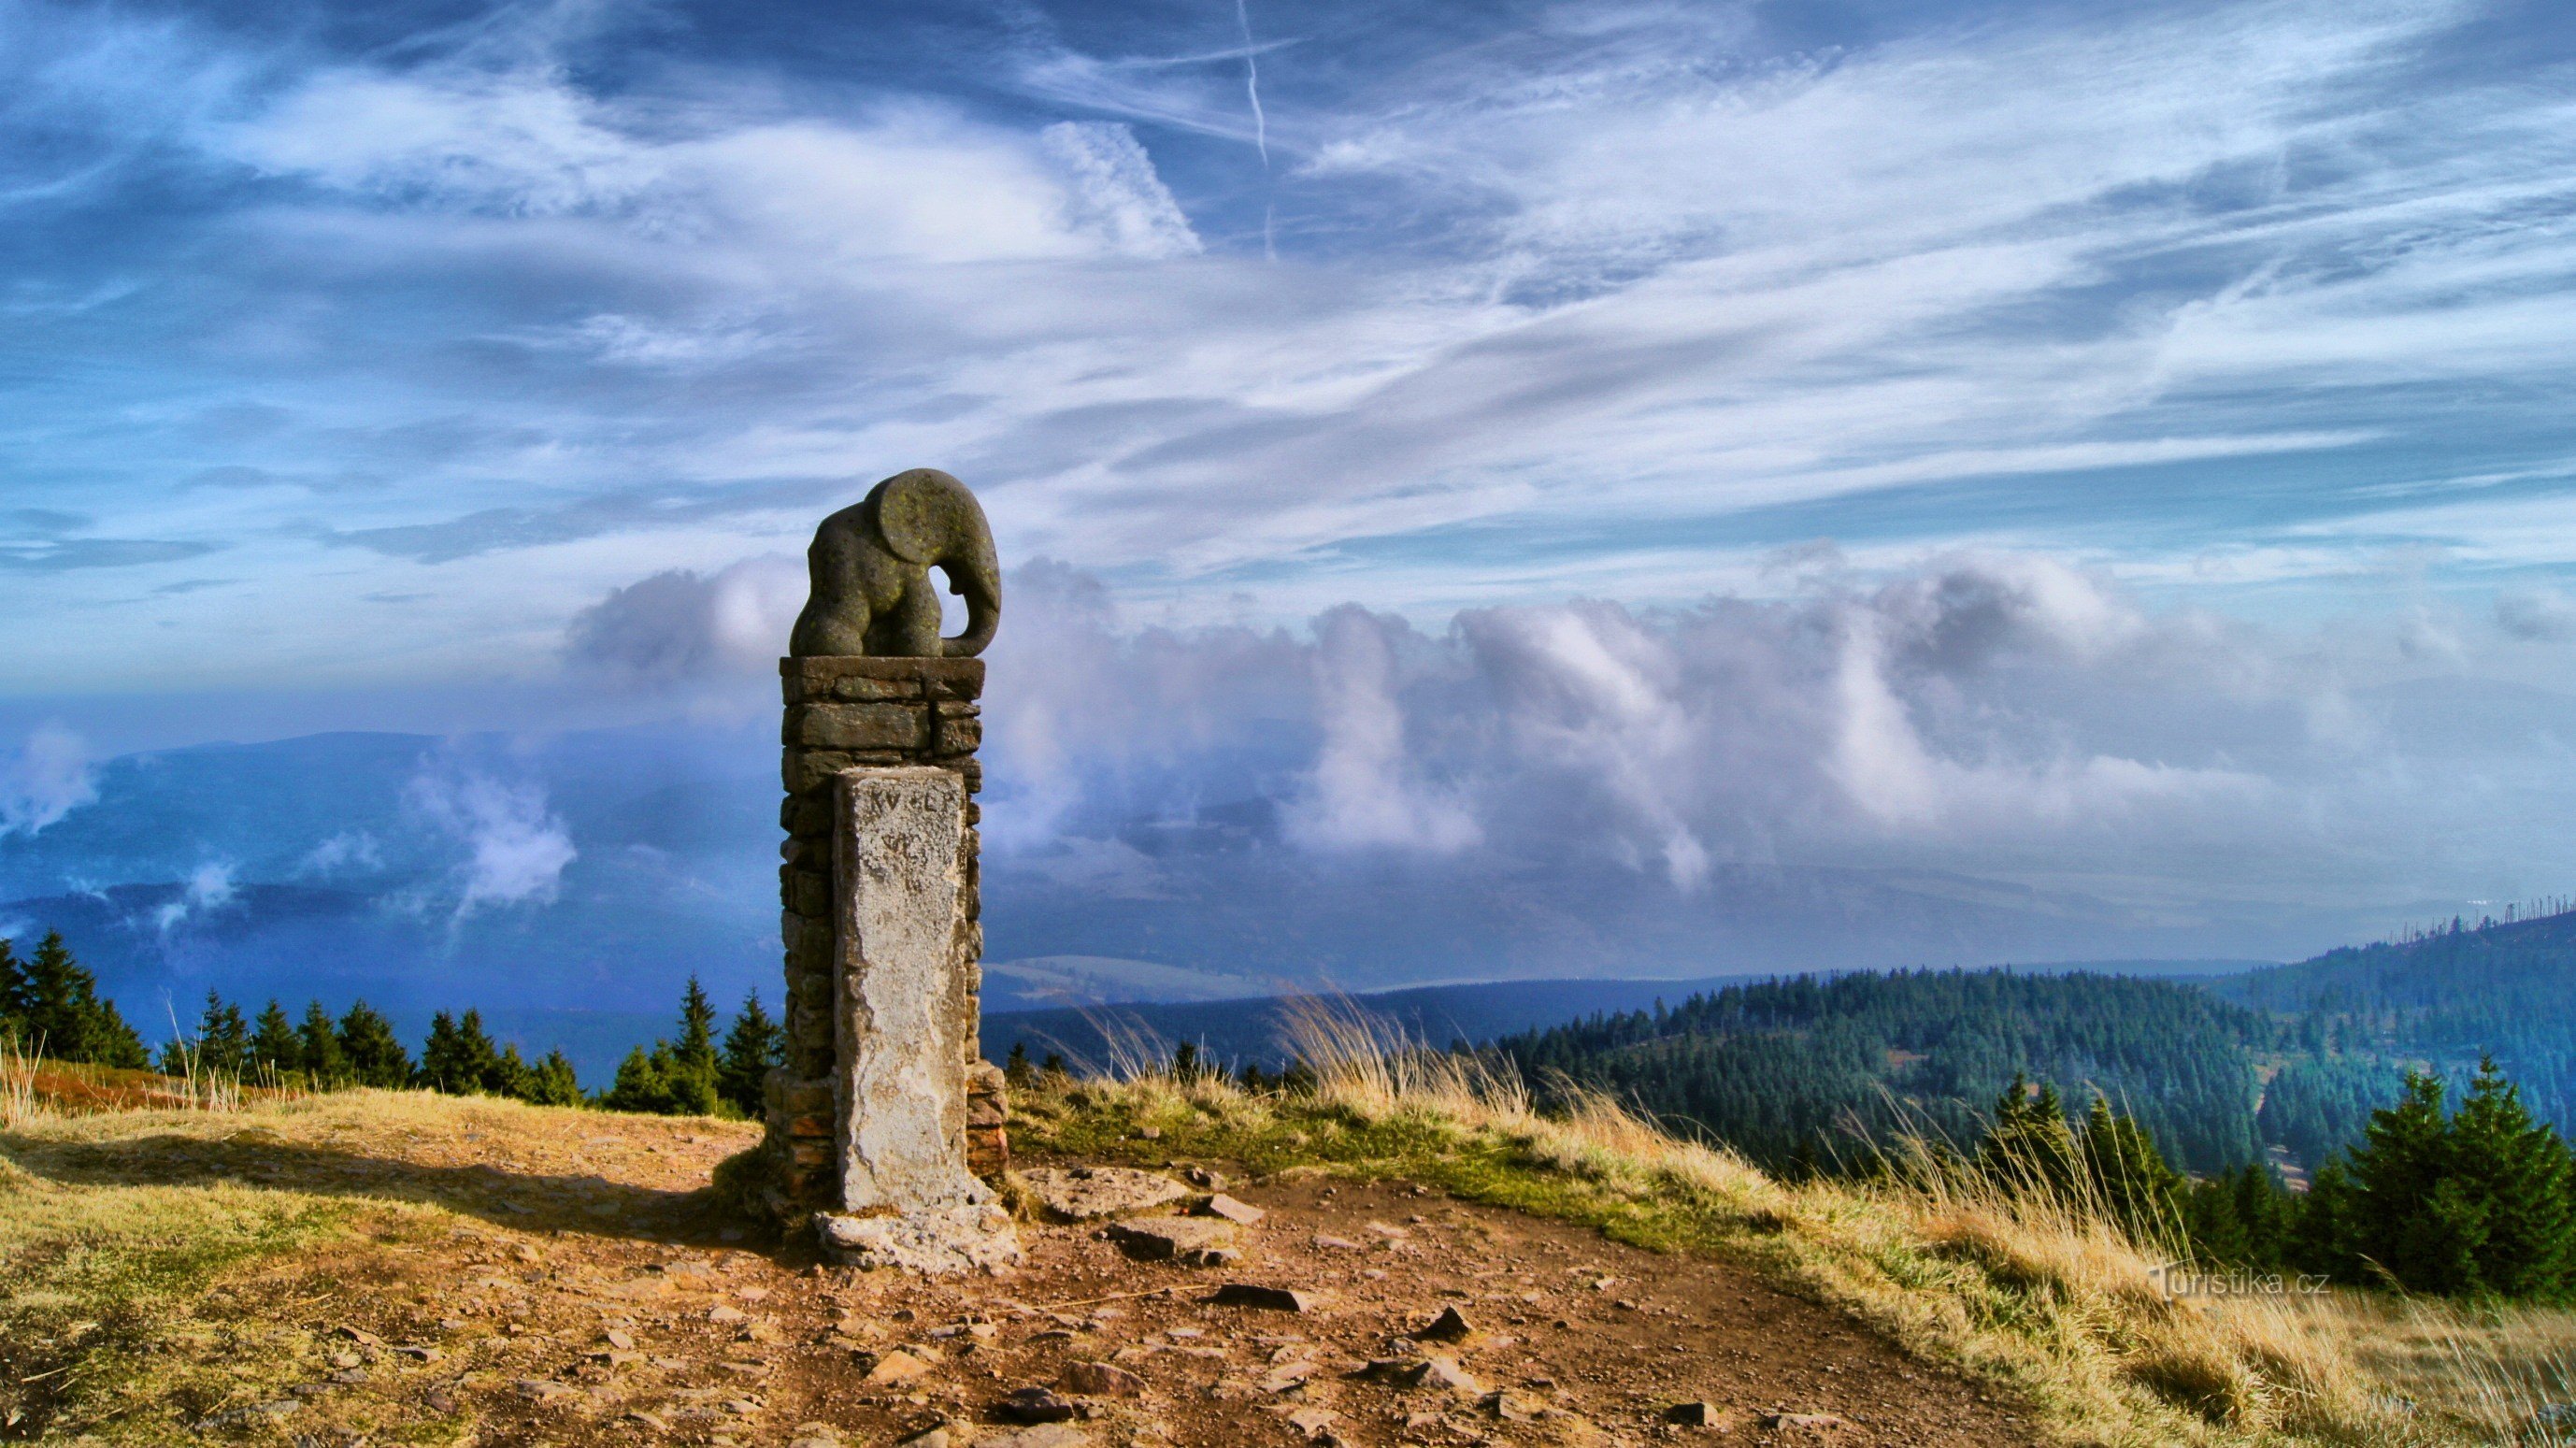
841,714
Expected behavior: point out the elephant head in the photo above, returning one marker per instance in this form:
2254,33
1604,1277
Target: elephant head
870,568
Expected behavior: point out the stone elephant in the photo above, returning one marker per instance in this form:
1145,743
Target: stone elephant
871,563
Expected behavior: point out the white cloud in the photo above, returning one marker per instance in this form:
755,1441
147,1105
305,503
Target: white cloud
516,848
2536,613
209,887
678,627
350,851
44,779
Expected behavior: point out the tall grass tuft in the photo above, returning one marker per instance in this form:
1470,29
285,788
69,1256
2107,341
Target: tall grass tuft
20,1107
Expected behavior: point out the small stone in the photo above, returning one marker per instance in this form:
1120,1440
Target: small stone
1274,1299
1812,1422
897,1366
1336,1244
1036,1405
1044,1435
1315,1423
1242,1214
1423,1372
935,1436
1450,1326
439,1400
619,1339
1509,1406
726,1312
1695,1415
1205,1178
359,1335
1149,1133
1093,1193
1192,1241
526,1253
1099,1380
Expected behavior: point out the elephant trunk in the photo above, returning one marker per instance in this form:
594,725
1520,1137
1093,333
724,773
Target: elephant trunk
978,579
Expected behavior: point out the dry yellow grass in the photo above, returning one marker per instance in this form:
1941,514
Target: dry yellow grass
2048,1299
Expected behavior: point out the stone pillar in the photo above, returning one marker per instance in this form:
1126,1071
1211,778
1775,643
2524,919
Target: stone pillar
883,1084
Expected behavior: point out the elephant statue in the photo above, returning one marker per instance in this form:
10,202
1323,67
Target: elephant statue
871,564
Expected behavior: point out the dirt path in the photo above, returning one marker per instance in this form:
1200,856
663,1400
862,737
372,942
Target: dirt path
586,1298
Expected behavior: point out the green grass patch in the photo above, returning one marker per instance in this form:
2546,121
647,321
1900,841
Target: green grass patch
112,1322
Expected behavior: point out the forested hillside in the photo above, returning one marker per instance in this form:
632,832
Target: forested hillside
2441,998
1790,1070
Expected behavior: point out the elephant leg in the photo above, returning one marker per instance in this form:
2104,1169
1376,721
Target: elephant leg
910,629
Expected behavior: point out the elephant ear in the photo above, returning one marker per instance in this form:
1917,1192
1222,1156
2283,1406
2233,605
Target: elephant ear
916,514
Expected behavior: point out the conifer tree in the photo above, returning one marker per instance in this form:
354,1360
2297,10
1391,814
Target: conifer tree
317,1047
675,1078
2518,1172
2128,1175
374,1054
2028,1145
695,1051
13,997
639,1086
551,1082
221,1046
1020,1073
60,1009
751,1048
274,1045
460,1059
2405,1217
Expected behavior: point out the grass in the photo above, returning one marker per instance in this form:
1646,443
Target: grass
160,1268
2043,1299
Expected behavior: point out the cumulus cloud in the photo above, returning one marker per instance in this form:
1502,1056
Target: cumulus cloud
44,779
682,627
1974,713
516,848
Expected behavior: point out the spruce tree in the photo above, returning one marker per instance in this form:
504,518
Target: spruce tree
751,1048
317,1047
274,1045
460,1059
13,998
1022,1074
2028,1146
640,1086
695,1051
2128,1175
2518,1172
61,1011
374,1054
222,1044
2399,1220
551,1082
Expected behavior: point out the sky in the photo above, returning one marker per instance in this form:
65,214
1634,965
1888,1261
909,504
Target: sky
2109,448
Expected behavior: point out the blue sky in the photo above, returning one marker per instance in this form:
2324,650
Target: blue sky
2099,429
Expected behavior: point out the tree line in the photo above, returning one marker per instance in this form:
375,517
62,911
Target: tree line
2477,1200
49,1005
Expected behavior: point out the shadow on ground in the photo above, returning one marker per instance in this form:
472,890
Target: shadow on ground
524,1200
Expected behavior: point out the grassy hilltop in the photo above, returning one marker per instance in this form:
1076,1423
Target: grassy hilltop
404,1267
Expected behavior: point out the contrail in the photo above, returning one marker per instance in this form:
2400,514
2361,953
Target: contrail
1260,126
1252,83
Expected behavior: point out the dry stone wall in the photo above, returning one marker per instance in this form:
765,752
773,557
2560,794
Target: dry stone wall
846,713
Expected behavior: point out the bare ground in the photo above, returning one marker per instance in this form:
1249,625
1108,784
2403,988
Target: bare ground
520,1276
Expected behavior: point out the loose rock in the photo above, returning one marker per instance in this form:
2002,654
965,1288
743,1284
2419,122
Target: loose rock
1450,1326
896,1367
1094,1193
1242,1214
1191,1241
1275,1299
1099,1380
1036,1405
